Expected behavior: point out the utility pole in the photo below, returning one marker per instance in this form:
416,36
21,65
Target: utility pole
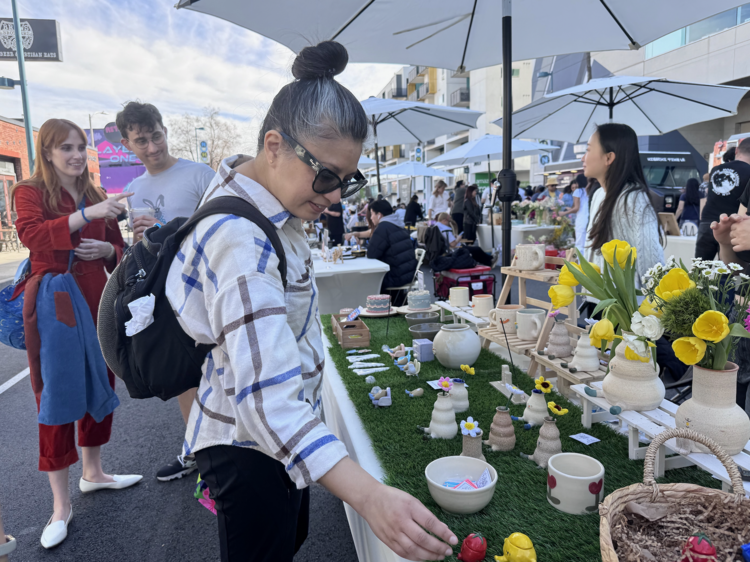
24,88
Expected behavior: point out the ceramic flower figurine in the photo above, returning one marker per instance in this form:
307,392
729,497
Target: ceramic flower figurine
445,384
470,427
517,548
468,370
543,385
556,409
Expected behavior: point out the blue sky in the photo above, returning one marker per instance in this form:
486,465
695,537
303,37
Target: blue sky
179,60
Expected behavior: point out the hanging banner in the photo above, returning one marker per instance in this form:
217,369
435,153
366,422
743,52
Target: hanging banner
40,40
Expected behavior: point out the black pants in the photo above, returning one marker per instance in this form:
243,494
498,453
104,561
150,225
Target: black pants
470,232
479,255
336,238
706,246
458,218
263,517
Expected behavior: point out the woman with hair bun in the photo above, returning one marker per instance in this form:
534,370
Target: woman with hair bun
255,427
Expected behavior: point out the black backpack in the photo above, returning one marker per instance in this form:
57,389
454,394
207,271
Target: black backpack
162,360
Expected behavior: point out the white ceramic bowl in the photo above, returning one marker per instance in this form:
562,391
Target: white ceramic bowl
457,469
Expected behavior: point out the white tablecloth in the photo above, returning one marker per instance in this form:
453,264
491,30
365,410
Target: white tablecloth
347,285
681,247
518,234
341,418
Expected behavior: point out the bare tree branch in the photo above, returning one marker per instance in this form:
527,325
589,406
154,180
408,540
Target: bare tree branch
221,136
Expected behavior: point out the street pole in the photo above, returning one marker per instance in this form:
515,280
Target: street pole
507,176
24,89
377,156
91,130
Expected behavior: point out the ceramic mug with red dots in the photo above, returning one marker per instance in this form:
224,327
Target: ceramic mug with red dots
575,483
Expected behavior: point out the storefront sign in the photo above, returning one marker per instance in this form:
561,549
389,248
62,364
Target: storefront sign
40,40
112,133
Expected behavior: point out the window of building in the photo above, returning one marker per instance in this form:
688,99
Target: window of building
442,99
712,25
516,72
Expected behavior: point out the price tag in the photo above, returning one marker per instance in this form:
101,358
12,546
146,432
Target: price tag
585,438
420,280
478,286
484,479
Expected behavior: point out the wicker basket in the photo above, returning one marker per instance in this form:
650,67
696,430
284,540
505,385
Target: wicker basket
649,490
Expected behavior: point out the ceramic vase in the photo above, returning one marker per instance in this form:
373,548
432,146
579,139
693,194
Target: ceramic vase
459,396
456,345
548,443
443,424
536,409
559,340
502,434
473,446
713,411
631,384
586,356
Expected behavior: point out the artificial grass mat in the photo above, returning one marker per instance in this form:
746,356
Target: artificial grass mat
520,502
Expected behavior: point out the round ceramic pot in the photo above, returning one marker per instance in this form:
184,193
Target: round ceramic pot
459,396
443,423
502,433
459,296
631,384
575,483
456,345
505,314
713,411
472,446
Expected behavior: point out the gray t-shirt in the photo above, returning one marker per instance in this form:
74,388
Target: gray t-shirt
175,192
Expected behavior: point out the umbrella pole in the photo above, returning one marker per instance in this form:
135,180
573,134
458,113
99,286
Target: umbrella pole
507,175
377,155
492,222
611,104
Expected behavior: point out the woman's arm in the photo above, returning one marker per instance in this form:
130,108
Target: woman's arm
680,209
574,209
703,204
36,232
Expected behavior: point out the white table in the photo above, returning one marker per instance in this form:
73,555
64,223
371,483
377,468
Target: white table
341,418
518,234
681,247
348,284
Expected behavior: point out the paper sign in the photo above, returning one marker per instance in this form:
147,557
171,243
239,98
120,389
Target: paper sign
436,385
585,438
356,359
420,280
478,286
466,485
485,479
365,365
354,314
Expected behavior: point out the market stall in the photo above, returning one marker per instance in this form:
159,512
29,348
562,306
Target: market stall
520,234
347,283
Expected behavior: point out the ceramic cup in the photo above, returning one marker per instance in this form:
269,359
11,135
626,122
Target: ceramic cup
482,305
459,296
530,257
505,313
575,483
530,322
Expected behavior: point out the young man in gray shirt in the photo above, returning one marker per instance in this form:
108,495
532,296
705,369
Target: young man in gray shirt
171,187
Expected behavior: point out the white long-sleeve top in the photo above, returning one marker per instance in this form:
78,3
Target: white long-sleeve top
261,385
633,221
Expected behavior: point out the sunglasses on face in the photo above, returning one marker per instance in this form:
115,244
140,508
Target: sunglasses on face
325,180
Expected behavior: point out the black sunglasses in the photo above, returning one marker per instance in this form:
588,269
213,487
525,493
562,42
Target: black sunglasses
325,180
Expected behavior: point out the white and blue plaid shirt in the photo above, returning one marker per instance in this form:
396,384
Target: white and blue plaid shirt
261,385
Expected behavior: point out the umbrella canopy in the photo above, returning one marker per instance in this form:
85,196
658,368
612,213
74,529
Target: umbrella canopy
488,147
651,106
413,169
402,122
365,161
461,33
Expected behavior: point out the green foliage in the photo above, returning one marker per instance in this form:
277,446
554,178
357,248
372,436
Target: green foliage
681,312
520,501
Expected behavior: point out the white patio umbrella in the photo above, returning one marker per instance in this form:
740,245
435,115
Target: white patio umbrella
402,122
365,161
491,148
651,106
465,34
413,169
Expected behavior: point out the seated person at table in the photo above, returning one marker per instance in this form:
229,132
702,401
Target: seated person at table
448,228
391,243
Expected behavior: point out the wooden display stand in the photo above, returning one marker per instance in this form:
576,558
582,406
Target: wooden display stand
669,224
514,344
350,334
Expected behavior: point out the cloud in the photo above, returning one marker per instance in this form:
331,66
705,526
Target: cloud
179,60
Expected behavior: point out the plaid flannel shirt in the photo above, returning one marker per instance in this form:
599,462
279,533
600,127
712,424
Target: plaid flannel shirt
261,385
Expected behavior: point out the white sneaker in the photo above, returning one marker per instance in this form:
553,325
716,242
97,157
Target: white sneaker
55,533
120,482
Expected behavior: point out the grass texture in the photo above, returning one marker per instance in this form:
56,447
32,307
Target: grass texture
519,503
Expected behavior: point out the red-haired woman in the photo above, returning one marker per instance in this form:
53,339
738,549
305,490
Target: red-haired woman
59,209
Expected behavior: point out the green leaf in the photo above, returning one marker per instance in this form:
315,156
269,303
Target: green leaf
592,286
621,286
589,271
609,285
737,331
720,355
602,305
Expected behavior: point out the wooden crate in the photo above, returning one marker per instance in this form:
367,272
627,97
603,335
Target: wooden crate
350,334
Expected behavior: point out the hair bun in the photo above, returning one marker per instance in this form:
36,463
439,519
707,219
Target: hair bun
324,60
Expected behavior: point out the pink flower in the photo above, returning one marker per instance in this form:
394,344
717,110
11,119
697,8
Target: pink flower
445,384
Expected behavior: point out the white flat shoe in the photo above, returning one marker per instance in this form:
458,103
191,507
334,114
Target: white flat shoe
55,533
124,481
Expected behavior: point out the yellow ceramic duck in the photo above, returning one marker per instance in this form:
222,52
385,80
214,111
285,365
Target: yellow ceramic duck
517,548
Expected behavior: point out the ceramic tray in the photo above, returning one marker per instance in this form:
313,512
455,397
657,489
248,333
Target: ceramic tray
366,314
406,310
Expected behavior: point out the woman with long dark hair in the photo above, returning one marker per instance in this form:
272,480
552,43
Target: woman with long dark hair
622,208
690,202
68,224
472,213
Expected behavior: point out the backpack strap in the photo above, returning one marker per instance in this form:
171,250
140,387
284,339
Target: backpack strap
231,205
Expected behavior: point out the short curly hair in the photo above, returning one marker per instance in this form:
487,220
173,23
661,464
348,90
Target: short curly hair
137,115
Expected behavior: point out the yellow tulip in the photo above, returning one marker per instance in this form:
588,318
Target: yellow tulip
648,308
633,356
689,350
673,284
623,250
567,278
602,330
561,295
711,326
